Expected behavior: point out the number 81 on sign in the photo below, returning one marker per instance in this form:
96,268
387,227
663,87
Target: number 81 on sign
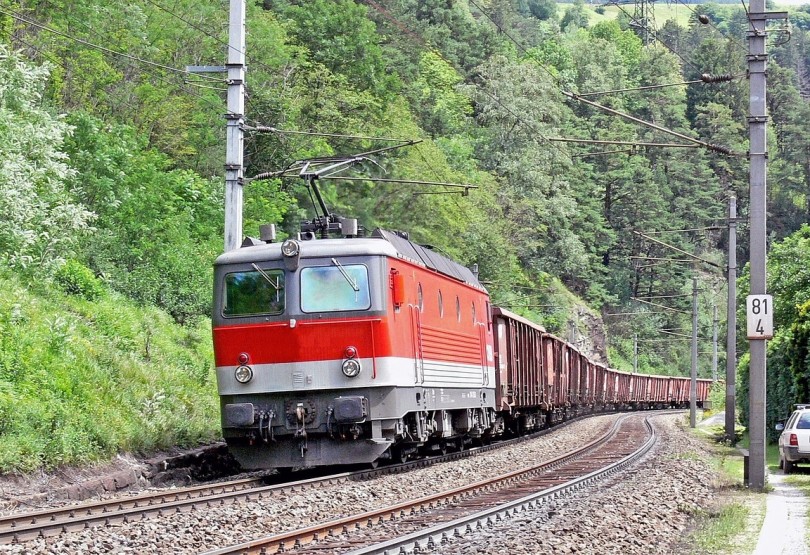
759,315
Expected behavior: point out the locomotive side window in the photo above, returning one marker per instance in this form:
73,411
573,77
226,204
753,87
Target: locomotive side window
254,292
441,305
473,312
421,299
335,288
458,309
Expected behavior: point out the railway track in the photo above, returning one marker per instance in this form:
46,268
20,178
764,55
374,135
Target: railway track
22,527
413,524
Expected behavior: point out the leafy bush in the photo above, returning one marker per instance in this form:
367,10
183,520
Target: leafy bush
77,279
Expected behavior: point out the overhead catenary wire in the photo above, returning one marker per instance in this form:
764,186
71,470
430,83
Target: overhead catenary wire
627,151
630,143
704,78
711,23
689,254
706,228
193,26
268,129
713,147
661,306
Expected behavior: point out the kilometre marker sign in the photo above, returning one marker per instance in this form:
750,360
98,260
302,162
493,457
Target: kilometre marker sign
759,312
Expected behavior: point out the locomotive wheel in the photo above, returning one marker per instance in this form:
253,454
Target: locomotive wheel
398,455
284,470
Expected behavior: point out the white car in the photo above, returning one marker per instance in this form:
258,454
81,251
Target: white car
794,442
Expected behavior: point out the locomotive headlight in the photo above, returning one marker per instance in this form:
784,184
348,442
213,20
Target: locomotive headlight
243,374
351,367
290,248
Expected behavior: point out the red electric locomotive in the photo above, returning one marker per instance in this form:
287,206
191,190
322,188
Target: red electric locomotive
338,351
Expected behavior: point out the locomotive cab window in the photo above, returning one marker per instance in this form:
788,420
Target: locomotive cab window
254,292
335,288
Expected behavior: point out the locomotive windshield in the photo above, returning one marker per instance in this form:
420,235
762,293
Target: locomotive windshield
254,292
335,288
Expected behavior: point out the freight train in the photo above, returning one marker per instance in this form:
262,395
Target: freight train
352,350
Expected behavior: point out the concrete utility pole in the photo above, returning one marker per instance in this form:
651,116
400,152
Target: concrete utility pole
758,154
731,322
234,154
714,344
693,373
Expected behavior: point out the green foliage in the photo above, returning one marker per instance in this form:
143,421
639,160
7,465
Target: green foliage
40,222
575,17
158,229
75,278
340,37
542,9
80,379
540,216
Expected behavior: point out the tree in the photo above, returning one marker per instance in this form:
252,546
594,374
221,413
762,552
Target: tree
40,221
575,17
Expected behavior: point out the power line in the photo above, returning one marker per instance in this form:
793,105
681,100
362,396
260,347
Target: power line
18,17
713,147
267,129
641,24
630,143
716,148
201,30
708,21
156,75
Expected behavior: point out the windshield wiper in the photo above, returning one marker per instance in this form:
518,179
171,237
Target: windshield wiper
275,284
346,275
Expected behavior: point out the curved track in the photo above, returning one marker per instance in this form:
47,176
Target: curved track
464,508
21,527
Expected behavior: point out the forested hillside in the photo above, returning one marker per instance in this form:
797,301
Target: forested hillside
111,179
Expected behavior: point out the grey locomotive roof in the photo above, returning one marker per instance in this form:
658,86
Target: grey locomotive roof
381,242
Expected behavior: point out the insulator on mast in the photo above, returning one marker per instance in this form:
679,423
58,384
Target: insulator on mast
709,78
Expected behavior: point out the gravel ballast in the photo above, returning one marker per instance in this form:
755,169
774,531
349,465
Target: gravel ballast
642,512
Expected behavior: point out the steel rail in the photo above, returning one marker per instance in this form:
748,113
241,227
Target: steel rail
25,526
295,538
427,540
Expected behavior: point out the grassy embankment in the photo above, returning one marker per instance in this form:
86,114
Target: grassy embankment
732,525
81,380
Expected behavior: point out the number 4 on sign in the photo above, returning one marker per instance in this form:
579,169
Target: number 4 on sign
759,313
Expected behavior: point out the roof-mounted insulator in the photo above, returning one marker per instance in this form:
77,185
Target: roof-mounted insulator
720,148
709,78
